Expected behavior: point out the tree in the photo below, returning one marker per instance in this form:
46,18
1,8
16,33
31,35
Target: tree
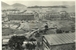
16,42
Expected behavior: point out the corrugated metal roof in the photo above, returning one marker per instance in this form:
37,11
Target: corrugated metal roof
56,39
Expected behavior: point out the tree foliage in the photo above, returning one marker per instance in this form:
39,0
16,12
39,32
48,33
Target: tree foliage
16,40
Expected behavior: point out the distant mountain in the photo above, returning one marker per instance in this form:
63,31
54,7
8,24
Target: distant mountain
18,6
14,6
4,5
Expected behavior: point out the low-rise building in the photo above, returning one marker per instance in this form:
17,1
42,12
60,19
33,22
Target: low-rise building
21,17
59,41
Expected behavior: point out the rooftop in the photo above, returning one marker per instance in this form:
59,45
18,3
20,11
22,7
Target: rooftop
56,39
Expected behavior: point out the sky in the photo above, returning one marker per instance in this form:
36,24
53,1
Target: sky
39,3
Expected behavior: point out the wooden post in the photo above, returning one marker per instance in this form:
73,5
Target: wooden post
42,44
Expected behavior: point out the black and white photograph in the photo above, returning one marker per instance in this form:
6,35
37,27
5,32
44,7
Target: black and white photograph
38,25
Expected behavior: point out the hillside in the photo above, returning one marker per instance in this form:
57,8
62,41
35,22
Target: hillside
18,6
4,5
15,5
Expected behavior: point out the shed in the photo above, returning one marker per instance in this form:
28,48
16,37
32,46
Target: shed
59,41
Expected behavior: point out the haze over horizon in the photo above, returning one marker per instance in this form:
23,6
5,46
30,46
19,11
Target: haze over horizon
41,3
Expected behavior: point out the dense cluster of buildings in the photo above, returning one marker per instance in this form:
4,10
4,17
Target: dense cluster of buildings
36,17
42,14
